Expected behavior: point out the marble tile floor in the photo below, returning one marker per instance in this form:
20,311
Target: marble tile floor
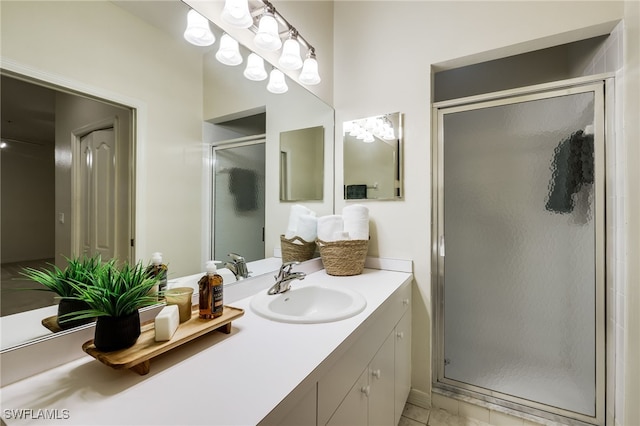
412,415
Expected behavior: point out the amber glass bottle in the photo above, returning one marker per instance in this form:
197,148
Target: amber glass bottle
210,288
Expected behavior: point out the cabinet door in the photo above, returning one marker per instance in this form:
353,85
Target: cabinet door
402,364
382,382
353,409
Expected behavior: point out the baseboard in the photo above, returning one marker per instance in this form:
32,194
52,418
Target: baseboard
419,398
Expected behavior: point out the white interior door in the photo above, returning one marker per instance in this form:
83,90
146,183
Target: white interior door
97,193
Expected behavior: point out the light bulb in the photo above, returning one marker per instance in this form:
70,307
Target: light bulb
368,137
277,83
290,58
229,53
198,31
255,68
309,74
236,13
267,37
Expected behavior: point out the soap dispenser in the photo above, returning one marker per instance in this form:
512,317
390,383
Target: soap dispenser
158,269
210,287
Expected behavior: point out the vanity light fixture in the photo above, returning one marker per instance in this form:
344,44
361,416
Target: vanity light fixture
236,13
277,83
229,51
290,58
198,31
255,68
267,37
309,74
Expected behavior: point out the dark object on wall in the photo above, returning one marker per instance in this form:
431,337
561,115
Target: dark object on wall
243,185
355,192
572,167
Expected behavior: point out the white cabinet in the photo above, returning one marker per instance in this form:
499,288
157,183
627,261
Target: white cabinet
402,364
370,383
354,408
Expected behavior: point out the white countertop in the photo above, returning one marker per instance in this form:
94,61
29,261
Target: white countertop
217,379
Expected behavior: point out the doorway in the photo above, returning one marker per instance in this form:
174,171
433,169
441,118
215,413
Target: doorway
520,254
41,214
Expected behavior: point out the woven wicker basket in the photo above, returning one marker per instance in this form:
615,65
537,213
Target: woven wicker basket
296,249
343,258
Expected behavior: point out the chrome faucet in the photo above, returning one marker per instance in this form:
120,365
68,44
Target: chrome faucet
238,266
284,278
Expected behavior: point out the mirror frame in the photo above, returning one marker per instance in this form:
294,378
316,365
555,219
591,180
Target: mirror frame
396,119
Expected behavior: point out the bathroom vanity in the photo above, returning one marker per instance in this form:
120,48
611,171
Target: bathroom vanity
264,372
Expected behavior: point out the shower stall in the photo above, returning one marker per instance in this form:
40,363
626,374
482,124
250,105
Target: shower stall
518,249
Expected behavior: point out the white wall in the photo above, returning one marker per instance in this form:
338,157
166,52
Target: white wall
438,35
106,50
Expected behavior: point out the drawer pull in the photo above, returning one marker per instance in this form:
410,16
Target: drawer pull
365,390
376,373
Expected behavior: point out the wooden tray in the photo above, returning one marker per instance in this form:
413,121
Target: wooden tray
51,323
137,358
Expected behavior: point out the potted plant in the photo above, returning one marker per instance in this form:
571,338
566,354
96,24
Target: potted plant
78,270
114,297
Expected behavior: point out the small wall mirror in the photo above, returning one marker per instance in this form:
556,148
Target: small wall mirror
302,164
373,158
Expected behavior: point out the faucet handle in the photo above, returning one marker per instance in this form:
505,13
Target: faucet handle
287,266
236,257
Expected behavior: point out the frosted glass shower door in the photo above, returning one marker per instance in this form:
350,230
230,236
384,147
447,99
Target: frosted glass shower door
238,201
521,254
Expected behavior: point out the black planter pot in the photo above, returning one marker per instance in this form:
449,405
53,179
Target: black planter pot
113,333
68,306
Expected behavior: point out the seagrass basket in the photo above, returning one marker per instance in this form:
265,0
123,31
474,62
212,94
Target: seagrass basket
296,249
343,258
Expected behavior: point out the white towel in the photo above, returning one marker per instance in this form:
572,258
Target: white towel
307,228
329,226
356,221
294,227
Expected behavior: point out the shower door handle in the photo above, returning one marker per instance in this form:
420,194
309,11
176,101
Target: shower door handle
441,246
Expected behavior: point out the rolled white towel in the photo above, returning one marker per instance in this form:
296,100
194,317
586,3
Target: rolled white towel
356,221
328,226
307,228
296,211
340,236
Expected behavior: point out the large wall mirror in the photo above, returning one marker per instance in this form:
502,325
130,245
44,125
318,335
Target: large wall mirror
183,103
373,158
302,164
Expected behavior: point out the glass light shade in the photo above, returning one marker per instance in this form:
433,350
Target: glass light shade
198,31
229,53
267,37
290,58
236,13
277,83
255,68
309,74
368,138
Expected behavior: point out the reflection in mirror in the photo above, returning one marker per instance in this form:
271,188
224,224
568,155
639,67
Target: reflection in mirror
373,158
302,164
178,86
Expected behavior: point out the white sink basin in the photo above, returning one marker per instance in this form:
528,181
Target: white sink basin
309,304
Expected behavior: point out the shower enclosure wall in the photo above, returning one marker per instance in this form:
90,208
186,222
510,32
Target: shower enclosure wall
518,251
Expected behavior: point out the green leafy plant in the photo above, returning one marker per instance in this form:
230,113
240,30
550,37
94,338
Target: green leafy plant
116,292
79,270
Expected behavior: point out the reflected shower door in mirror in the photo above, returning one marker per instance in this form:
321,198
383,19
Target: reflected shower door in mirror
373,158
238,206
302,164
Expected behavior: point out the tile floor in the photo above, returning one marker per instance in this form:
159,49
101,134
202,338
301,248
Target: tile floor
412,415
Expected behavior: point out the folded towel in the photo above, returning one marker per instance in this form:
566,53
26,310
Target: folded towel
329,226
298,211
356,221
307,228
